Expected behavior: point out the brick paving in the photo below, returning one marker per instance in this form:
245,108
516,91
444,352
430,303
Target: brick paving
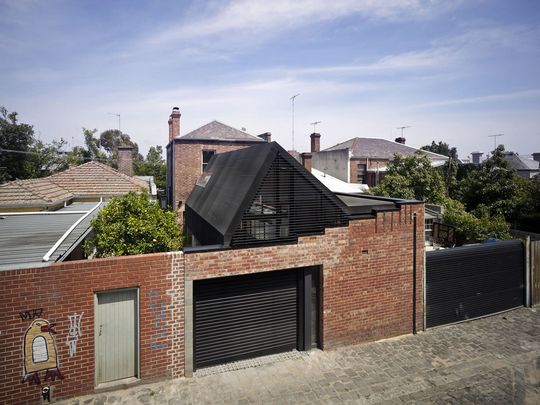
495,360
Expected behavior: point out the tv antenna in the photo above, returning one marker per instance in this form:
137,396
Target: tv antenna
117,115
495,136
402,128
292,99
314,125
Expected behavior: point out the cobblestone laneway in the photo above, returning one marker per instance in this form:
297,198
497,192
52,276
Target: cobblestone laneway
495,360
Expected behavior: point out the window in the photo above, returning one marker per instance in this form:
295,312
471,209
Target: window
361,174
206,156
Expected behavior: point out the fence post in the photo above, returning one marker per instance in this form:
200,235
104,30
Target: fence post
528,284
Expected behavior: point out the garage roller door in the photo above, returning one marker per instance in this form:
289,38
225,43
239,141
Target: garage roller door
245,316
473,281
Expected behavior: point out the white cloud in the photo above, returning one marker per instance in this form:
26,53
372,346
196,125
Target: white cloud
248,17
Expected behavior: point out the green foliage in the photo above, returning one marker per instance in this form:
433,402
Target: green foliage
494,185
474,228
153,165
442,148
412,177
111,139
133,225
14,137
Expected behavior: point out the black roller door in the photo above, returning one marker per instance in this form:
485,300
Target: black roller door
473,281
245,316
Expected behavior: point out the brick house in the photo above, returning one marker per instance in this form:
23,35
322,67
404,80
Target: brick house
188,155
281,263
363,160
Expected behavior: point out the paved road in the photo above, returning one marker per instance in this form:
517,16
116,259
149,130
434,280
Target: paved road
495,360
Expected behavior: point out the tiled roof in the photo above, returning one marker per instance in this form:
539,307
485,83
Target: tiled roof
381,148
96,179
90,179
34,192
216,131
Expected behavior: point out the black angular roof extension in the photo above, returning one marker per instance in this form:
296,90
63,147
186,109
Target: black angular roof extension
229,186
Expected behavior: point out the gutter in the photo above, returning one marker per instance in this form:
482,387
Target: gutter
48,255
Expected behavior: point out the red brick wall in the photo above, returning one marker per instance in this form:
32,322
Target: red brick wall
367,273
188,164
66,289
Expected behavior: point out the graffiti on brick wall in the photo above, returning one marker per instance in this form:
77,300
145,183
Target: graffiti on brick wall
159,330
31,314
74,333
39,352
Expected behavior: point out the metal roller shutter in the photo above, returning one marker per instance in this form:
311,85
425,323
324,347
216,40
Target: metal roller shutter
473,281
244,316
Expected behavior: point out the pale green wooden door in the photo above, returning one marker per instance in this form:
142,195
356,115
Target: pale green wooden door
116,335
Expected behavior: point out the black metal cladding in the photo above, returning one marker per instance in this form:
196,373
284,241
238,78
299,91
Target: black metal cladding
286,205
245,316
473,281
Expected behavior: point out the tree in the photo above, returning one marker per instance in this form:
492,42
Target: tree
442,148
153,165
133,225
412,177
16,140
471,228
111,139
493,185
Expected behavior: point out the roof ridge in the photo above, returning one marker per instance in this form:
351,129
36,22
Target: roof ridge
103,166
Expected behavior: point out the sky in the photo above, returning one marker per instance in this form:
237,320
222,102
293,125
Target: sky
450,70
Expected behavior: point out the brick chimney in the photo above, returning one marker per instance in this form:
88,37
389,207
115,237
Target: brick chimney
267,136
125,160
536,156
307,160
476,156
174,123
315,142
401,140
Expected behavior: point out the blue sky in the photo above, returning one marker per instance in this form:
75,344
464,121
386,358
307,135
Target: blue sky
452,70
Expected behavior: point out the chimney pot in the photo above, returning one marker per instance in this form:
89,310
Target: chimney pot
307,160
315,142
174,124
476,156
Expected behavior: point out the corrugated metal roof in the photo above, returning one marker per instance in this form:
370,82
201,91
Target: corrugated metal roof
26,238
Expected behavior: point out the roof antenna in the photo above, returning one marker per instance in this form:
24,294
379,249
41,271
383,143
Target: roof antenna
314,125
495,136
292,99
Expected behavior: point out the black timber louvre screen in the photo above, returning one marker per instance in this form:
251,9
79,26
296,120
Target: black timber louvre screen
245,316
473,281
286,205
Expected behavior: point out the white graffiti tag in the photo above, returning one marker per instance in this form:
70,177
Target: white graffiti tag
74,332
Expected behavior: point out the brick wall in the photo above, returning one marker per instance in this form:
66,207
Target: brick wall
54,293
367,273
366,295
188,164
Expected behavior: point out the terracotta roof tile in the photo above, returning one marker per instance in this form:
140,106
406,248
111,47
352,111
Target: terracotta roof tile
86,180
96,179
33,192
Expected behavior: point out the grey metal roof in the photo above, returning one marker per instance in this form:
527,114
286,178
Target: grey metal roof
216,131
381,148
26,238
520,162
